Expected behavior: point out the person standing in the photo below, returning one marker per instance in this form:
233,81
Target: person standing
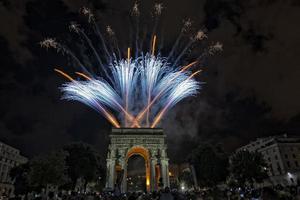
166,195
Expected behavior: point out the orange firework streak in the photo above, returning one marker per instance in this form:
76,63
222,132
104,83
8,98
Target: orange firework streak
64,74
108,116
153,45
126,95
141,114
161,113
83,75
128,54
131,118
149,89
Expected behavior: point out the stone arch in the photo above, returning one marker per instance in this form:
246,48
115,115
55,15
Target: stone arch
138,150
146,142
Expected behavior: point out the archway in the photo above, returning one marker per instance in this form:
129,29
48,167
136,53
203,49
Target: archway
144,153
136,174
149,144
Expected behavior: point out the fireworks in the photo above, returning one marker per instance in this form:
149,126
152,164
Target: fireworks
139,88
158,7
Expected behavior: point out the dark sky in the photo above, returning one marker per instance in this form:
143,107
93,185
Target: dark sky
252,88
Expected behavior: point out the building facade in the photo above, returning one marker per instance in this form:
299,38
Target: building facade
282,154
9,158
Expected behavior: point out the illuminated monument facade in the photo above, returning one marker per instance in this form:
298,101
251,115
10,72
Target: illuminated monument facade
145,142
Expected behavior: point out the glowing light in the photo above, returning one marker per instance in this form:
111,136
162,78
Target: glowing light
165,85
128,55
88,93
182,187
149,77
126,93
64,74
140,86
83,75
182,90
153,45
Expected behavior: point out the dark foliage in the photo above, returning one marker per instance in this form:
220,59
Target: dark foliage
248,168
210,163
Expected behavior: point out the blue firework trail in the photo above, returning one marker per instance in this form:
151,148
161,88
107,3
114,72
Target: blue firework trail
142,88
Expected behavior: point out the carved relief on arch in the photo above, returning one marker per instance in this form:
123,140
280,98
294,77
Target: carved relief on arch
154,153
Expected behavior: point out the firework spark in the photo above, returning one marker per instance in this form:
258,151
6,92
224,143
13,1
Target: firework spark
158,7
135,9
141,88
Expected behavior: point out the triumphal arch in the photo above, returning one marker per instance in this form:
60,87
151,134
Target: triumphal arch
147,142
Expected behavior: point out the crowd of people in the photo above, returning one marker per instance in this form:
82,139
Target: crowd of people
165,194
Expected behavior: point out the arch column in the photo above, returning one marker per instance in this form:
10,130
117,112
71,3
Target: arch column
148,174
111,165
153,183
124,178
123,163
165,168
165,172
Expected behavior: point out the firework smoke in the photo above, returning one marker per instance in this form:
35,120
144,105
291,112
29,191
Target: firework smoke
142,88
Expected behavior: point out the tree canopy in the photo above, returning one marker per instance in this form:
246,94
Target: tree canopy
62,168
83,162
48,169
210,163
248,168
19,174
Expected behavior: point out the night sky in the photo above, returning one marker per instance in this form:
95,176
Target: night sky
252,88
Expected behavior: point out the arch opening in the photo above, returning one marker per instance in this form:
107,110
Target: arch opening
136,173
139,177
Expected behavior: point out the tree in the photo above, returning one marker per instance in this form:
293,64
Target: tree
83,163
248,168
210,163
19,175
48,169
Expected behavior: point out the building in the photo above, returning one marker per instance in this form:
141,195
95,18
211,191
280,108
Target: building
9,157
282,154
